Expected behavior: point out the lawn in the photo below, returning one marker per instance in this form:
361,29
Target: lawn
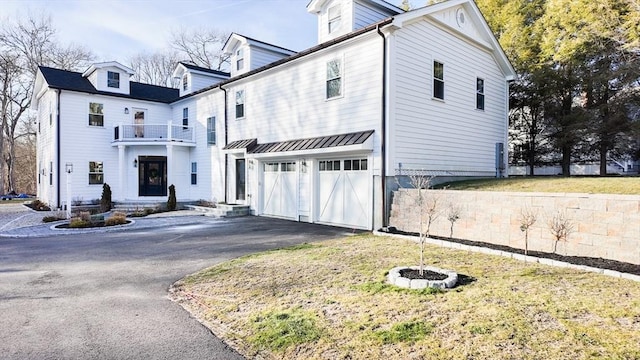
329,301
593,185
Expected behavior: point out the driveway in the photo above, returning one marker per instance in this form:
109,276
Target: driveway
104,295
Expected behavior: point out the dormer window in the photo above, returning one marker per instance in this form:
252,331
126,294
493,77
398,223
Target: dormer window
185,82
239,59
113,79
335,16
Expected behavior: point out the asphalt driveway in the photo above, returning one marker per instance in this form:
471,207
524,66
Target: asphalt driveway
104,295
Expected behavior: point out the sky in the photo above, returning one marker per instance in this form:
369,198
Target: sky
118,29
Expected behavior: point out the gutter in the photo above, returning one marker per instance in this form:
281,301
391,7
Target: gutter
383,131
58,160
226,156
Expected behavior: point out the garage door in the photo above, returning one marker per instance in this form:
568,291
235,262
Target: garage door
279,190
344,192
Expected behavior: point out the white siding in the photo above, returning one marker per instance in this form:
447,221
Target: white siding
365,15
448,135
290,102
82,143
260,57
46,145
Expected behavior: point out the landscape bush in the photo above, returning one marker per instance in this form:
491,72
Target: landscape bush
118,218
172,202
39,206
105,200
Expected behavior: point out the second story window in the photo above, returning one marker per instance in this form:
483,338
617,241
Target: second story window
334,78
113,79
239,59
438,80
239,104
96,116
194,173
479,94
335,17
185,82
185,117
211,130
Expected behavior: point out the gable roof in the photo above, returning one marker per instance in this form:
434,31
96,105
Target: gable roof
488,38
101,65
236,38
75,81
203,69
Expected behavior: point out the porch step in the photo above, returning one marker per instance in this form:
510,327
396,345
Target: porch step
131,206
223,210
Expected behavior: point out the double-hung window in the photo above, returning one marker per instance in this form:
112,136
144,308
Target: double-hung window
113,79
194,173
96,114
479,94
239,104
96,172
185,117
239,59
185,82
438,80
334,78
211,130
50,172
335,17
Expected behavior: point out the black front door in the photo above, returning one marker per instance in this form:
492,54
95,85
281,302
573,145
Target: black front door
241,180
152,176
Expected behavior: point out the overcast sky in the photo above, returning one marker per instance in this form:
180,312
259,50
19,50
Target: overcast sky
118,29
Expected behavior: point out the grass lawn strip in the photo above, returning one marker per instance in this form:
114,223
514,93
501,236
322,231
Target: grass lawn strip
337,290
589,185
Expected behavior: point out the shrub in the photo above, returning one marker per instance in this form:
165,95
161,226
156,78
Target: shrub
78,222
171,202
118,218
105,200
39,206
85,216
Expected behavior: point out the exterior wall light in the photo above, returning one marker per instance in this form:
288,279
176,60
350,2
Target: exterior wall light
68,168
126,111
135,163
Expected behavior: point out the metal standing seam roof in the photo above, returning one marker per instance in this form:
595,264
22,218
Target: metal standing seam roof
322,142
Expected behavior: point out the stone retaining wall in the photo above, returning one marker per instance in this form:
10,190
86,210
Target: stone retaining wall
606,226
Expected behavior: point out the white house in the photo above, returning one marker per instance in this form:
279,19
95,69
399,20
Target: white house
317,136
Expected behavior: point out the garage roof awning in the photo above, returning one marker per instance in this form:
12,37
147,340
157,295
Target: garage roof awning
339,142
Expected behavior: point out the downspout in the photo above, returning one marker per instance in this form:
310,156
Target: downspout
226,156
383,131
58,161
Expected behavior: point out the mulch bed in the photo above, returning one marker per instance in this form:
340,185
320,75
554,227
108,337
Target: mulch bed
576,260
426,274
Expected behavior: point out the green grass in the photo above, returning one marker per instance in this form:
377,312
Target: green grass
278,330
330,301
590,185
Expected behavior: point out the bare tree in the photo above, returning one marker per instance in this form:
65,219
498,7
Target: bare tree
453,214
427,206
202,46
26,44
156,68
560,226
527,218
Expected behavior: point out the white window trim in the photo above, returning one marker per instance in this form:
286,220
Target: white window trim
484,93
185,82
331,20
240,55
244,104
433,80
326,80
90,113
95,173
215,133
118,81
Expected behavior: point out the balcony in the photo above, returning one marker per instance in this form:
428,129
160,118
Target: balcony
153,134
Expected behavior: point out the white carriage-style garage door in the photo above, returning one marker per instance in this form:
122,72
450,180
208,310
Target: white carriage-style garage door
279,190
344,192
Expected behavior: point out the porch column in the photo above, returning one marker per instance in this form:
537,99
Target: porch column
122,193
171,170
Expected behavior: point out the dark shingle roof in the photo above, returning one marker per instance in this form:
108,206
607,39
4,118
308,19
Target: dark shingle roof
322,142
74,81
204,69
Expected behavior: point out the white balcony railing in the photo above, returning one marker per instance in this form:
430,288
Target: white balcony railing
153,132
